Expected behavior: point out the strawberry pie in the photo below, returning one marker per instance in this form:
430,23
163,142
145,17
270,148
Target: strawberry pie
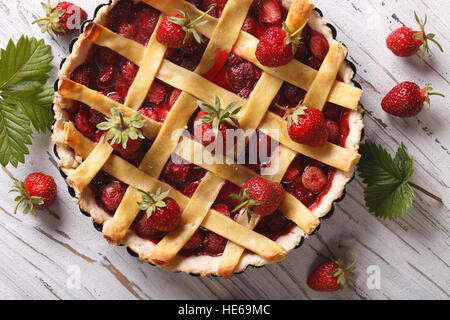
152,84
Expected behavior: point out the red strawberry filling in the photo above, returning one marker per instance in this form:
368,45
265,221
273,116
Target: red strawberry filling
112,75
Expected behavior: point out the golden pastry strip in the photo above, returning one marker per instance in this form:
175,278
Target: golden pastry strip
317,95
83,175
225,34
259,102
216,222
169,136
196,85
72,90
149,67
298,14
104,37
330,154
295,72
191,219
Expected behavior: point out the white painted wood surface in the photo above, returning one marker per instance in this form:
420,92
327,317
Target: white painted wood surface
412,253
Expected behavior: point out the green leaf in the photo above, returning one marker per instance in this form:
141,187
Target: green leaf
36,107
25,96
388,194
30,59
15,134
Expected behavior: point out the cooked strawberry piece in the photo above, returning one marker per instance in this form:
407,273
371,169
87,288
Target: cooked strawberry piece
223,209
190,62
127,30
176,173
157,93
149,112
332,111
116,97
163,112
297,189
241,76
147,20
95,117
302,53
214,243
319,46
195,241
190,189
293,94
106,57
245,93
107,77
334,131
224,194
270,11
174,97
129,71
122,11
314,179
276,223
112,195
313,62
85,75
233,60
82,122
250,24
216,3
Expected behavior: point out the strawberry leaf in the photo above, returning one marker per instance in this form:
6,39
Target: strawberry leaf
388,194
25,96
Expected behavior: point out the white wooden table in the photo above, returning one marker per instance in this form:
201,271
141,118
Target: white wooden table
38,256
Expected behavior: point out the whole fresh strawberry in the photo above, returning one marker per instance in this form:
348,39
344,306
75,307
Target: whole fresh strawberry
259,196
407,99
61,18
331,275
404,42
276,46
307,126
162,211
123,133
178,31
37,192
212,121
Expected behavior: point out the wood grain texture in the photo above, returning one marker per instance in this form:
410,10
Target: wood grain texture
413,253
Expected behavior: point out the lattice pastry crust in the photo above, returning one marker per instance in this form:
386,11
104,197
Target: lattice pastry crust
73,148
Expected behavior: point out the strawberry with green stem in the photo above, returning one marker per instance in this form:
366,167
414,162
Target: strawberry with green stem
162,212
212,121
277,45
404,42
178,31
306,125
61,18
259,196
332,275
123,133
37,192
